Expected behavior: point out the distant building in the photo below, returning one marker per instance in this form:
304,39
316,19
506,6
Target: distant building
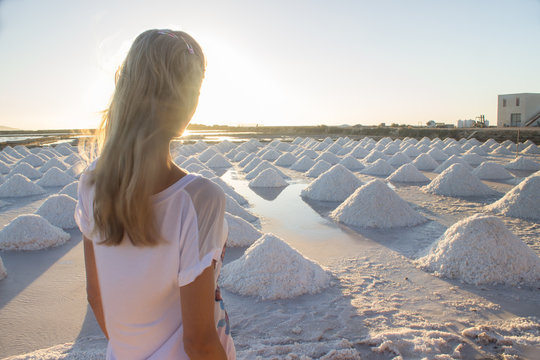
469,123
518,110
431,123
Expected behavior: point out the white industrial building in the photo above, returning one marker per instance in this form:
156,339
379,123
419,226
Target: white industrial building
468,123
518,110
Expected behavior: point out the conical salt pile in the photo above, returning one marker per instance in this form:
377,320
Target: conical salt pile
33,160
272,269
523,201
240,155
450,161
31,232
379,168
458,181
328,157
351,163
481,250
399,159
218,161
531,149
252,164
317,169
492,171
58,209
522,163
271,155
473,159
286,159
407,173
55,177
71,189
373,156
233,207
207,154
263,165
425,162
3,271
241,233
19,185
26,170
268,178
375,205
437,154
303,164
4,167
53,162
336,184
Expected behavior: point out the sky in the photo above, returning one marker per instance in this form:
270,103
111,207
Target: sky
277,62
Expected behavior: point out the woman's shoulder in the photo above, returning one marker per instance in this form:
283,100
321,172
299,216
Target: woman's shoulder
203,190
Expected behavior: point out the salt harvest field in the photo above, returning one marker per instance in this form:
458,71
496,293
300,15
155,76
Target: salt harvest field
337,249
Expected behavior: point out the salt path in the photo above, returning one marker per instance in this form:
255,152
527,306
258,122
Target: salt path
522,163
26,170
457,180
71,189
336,184
481,250
268,178
233,207
3,271
303,164
522,201
489,170
58,209
375,205
351,163
271,269
287,159
19,185
241,232
379,168
55,177
218,161
317,169
425,162
450,161
31,232
407,173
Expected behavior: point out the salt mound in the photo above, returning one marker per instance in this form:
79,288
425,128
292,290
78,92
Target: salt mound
373,156
33,160
351,163
72,159
531,149
241,233
233,207
437,154
31,232
376,205
218,161
336,184
425,162
286,159
501,150
328,157
303,164
481,250
458,181
268,178
317,169
263,165
54,162
407,173
522,163
252,164
240,155
26,170
454,159
19,185
522,201
207,154
55,177
71,189
4,167
379,168
473,159
3,271
399,159
271,155
58,210
272,269
492,171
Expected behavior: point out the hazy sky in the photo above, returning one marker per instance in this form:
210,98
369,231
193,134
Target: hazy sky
277,62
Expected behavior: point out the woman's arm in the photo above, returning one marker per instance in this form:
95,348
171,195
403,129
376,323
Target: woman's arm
92,284
201,340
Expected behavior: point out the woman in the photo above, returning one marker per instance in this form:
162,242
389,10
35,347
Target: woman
154,234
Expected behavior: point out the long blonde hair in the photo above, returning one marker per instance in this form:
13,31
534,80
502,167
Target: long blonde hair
156,93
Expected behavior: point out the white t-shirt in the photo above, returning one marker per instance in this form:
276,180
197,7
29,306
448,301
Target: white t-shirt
140,285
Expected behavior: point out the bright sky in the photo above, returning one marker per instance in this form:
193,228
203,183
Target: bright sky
277,62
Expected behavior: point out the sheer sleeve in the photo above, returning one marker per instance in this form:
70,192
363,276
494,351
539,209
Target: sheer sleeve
84,216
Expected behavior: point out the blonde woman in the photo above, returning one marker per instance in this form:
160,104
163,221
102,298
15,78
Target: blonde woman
154,234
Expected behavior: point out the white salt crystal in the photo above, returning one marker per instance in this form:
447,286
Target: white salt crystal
55,177
328,157
376,205
218,161
492,171
450,161
3,271
457,180
63,149
351,163
19,185
411,152
373,156
501,150
336,184
359,152
252,164
26,170
207,154
425,162
71,189
240,155
531,149
481,250
268,178
234,208
303,164
72,159
317,169
241,233
272,269
379,168
76,169
4,167
473,159
523,201
31,232
59,209
54,162
263,165
399,159
270,155
287,159
437,154
407,173
33,160
522,163
228,189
